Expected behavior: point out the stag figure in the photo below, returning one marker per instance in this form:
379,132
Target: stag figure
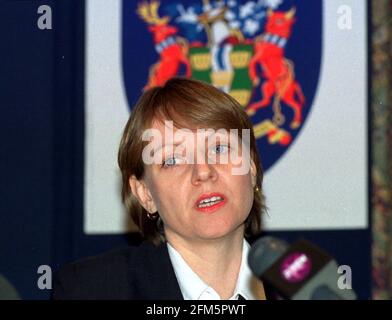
172,49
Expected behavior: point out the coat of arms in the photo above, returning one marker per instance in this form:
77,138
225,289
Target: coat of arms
240,48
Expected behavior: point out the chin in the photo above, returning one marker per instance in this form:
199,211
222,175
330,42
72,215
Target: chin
216,232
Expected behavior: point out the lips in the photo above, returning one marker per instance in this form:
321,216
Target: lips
218,200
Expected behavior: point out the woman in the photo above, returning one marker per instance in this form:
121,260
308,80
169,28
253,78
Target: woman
184,184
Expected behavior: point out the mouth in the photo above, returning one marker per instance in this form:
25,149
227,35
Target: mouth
210,202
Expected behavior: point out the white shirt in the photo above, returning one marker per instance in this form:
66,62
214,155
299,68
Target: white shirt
194,288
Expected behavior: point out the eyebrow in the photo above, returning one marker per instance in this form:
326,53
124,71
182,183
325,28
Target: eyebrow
164,145
218,136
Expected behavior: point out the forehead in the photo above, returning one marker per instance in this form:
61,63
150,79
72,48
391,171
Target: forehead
169,131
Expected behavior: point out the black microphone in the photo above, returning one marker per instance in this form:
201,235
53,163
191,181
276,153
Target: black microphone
301,271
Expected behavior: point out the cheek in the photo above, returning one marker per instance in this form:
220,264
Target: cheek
243,182
159,196
165,191
167,198
244,192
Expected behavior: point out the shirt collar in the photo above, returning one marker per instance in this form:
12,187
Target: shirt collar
194,288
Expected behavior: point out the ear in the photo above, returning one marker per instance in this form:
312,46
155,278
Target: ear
142,193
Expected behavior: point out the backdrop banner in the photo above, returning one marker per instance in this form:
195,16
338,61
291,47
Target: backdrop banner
298,68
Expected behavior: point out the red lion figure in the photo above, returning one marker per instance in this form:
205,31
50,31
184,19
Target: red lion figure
277,70
172,49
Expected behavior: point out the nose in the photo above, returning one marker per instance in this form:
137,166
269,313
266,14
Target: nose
203,172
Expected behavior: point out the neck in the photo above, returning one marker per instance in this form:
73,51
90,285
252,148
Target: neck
217,262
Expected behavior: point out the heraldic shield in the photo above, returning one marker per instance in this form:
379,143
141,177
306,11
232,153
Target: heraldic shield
264,53
236,80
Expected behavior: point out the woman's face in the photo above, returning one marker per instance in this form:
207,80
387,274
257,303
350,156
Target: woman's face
198,200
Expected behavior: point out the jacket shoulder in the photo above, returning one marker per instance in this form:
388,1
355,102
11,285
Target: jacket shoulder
104,276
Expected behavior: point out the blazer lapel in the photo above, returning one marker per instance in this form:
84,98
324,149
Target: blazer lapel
156,279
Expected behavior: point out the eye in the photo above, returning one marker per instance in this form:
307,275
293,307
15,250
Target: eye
171,162
221,148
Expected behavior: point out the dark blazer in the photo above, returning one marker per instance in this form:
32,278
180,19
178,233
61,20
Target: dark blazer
133,273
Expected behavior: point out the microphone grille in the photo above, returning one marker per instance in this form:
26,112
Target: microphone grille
264,253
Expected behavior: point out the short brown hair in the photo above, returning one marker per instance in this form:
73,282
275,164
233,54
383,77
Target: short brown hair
182,100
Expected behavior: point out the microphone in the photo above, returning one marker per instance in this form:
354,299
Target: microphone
301,271
7,290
